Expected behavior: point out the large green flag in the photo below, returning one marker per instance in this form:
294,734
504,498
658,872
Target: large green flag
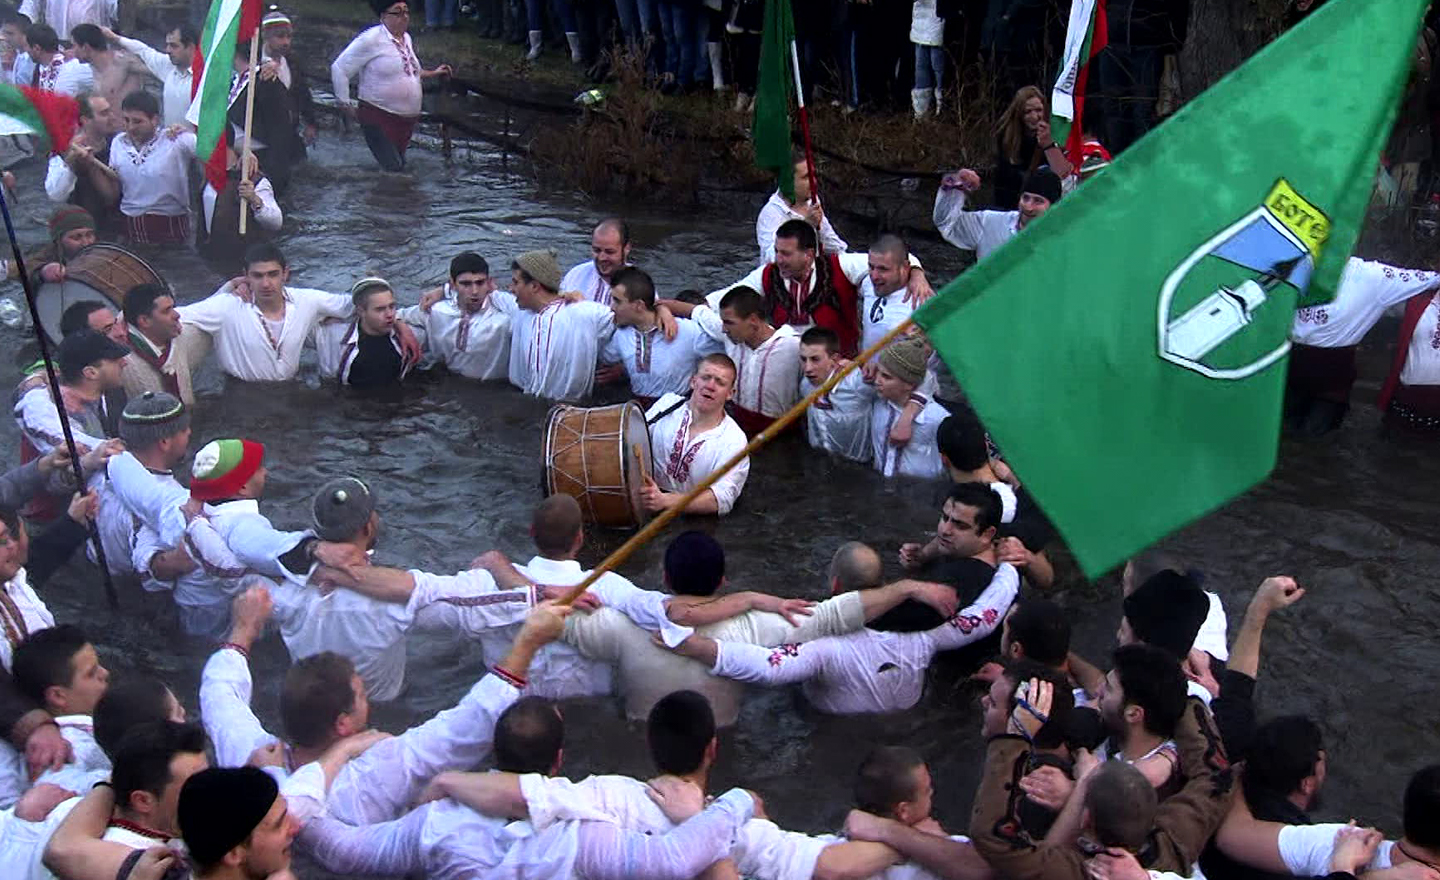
773,92
1127,350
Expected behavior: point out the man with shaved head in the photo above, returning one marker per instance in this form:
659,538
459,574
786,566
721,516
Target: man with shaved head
883,304
610,252
866,670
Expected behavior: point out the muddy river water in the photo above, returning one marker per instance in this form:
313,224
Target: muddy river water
456,463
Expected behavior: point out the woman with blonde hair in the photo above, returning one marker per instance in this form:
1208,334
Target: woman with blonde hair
1023,142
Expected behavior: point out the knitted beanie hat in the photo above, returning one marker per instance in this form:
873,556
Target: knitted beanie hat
152,417
223,467
341,509
541,266
68,219
1167,611
905,359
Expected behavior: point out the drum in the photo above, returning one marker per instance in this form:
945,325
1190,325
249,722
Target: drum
601,457
101,273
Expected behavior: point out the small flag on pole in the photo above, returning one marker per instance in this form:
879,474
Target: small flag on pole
1127,350
1087,34
50,117
229,23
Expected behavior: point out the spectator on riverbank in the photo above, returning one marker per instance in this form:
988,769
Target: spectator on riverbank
927,33
1023,143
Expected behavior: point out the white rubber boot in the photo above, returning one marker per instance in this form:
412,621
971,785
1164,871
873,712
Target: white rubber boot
574,40
920,100
717,69
537,41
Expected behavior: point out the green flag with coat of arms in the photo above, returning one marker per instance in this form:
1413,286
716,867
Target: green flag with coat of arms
1127,349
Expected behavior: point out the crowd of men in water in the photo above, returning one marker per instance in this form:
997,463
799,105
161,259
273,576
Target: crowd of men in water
1160,765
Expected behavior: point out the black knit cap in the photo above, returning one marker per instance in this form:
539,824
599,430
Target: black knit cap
1167,611
221,807
1044,183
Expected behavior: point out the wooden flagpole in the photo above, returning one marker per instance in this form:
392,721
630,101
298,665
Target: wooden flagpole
805,133
643,536
254,75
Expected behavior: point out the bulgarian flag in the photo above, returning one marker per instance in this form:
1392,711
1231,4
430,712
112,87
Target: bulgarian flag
1087,34
775,87
230,23
1142,385
48,116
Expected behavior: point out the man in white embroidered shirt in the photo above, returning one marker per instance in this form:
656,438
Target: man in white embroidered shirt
610,248
366,351
656,365
984,231
839,422
460,324
154,171
900,372
779,210
554,342
258,337
54,71
767,359
691,438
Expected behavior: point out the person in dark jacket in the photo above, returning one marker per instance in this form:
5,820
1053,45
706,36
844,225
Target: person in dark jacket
1142,33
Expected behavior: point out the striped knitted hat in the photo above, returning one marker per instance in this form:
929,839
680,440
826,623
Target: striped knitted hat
152,417
68,219
223,467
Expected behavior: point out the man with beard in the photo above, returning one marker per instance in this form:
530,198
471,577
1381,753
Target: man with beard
610,249
367,351
1141,704
965,557
984,231
171,67
82,175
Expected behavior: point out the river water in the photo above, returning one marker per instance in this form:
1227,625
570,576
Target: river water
456,467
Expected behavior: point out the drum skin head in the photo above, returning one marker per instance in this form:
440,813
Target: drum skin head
101,273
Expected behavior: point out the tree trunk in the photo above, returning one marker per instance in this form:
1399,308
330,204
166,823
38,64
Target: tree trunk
1221,36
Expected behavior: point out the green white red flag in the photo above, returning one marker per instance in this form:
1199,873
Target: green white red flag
1088,33
49,117
229,23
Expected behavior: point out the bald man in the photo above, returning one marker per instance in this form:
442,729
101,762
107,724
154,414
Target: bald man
867,670
610,252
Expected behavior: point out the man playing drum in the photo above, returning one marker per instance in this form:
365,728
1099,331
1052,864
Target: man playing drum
691,438
72,230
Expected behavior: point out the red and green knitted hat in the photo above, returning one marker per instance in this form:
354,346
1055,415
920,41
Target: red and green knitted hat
223,467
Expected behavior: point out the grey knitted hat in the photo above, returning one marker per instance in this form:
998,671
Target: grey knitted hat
541,266
342,508
905,360
152,417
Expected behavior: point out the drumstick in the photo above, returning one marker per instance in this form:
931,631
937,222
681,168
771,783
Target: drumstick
640,459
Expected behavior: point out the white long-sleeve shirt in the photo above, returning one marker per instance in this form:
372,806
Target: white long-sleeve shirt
388,70
585,278
380,784
178,83
839,422
776,213
918,458
683,460
247,346
447,841
648,672
476,345
39,420
869,670
154,177
880,314
63,15
553,352
65,76
768,376
268,215
559,670
1367,288
33,615
978,231
657,365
